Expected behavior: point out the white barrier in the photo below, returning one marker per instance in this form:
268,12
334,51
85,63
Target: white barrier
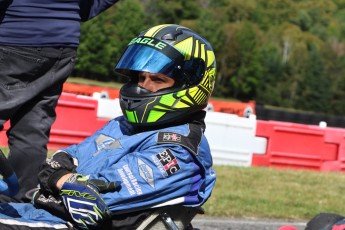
232,139
107,108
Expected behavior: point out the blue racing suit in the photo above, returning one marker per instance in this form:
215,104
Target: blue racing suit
171,164
153,166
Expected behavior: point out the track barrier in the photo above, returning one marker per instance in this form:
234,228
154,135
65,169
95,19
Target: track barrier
234,139
296,146
76,119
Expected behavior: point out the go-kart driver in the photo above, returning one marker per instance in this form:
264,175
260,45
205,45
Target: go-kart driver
155,154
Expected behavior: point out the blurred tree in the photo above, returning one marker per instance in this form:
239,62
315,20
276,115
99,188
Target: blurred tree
268,91
214,3
303,20
340,3
270,13
340,16
172,11
319,14
104,38
239,10
314,90
337,102
246,78
227,61
293,43
210,26
335,50
92,55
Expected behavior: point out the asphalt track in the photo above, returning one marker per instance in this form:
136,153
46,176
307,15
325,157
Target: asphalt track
215,223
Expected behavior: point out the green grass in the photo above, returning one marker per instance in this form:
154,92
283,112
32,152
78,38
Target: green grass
79,80
259,192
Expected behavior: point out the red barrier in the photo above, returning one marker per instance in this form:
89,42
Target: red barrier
76,120
336,136
3,137
296,146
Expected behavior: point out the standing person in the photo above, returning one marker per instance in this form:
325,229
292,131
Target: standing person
156,153
38,48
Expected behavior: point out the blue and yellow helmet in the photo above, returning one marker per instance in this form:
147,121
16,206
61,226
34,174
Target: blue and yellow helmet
174,51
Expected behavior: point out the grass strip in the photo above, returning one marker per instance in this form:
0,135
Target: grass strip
261,192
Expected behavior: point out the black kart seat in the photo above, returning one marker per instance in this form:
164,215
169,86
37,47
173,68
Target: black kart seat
175,217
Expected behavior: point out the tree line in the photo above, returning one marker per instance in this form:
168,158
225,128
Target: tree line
286,53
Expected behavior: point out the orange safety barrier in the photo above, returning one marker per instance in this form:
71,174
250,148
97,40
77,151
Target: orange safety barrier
88,90
242,109
76,120
297,146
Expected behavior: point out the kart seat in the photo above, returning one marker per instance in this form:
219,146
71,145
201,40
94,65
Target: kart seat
175,217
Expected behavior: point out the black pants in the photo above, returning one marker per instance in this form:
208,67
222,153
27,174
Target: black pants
31,81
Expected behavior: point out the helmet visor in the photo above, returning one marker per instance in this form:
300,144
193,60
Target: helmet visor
146,58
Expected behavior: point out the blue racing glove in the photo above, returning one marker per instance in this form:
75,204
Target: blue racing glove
83,202
9,186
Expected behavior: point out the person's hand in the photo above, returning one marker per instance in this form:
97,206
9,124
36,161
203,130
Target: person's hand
53,204
82,199
9,186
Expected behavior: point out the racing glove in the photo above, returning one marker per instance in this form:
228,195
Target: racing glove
50,203
82,200
60,164
9,186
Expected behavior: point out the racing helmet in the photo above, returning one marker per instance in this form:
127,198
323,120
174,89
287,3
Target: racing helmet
177,52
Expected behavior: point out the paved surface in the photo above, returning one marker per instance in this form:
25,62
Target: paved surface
214,223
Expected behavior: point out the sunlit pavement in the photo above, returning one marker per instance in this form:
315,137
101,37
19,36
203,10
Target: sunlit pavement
215,223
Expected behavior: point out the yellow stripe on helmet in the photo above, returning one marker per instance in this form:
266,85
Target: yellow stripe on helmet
196,51
202,52
154,30
210,58
185,47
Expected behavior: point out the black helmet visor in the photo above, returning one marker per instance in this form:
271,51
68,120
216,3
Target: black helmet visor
151,55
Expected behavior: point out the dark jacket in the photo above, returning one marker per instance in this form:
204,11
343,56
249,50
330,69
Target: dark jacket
46,23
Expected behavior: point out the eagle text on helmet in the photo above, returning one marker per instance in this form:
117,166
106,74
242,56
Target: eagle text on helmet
149,41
